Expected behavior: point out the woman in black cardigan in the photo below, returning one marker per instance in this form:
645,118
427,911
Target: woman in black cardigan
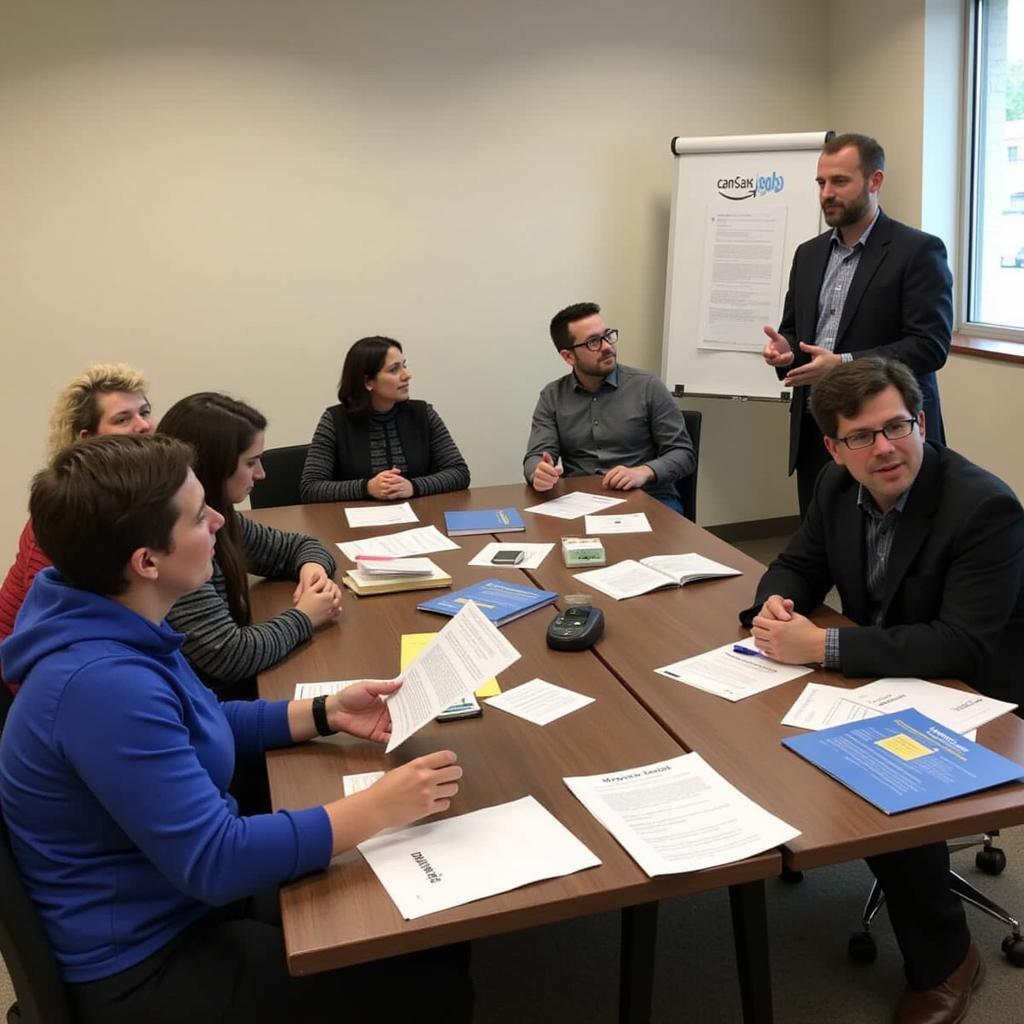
378,442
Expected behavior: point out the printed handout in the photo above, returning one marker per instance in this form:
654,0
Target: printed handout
679,815
442,864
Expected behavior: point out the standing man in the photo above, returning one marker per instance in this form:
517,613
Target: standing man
870,286
605,418
927,552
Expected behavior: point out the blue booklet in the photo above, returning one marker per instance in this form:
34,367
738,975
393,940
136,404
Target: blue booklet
904,760
499,600
483,520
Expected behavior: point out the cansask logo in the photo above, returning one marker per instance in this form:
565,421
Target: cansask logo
749,188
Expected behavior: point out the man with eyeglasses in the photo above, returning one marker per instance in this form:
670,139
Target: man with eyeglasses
926,550
869,287
605,418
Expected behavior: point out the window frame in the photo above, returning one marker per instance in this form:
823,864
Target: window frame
975,336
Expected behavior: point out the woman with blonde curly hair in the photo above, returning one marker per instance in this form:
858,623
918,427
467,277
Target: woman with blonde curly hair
107,398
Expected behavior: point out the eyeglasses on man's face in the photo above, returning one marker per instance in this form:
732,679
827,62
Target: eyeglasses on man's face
866,438
594,343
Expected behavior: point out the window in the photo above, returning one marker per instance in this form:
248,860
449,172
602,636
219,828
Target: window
996,278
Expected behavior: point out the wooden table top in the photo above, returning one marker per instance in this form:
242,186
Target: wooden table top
742,740
344,915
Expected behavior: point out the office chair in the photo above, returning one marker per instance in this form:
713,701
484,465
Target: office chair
687,487
42,998
989,859
284,471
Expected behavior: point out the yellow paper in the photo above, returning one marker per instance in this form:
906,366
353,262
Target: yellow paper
905,747
413,643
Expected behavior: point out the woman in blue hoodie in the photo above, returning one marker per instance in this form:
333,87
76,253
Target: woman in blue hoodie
115,763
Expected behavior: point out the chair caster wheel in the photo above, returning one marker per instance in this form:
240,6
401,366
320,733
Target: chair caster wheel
862,948
1013,950
791,876
991,860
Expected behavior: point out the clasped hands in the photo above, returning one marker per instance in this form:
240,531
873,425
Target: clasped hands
782,634
778,352
619,478
317,595
389,485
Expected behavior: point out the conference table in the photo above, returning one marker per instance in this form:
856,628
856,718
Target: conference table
344,916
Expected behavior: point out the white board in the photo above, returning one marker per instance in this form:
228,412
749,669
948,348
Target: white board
740,207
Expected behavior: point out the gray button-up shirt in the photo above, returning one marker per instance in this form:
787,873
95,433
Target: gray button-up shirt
630,420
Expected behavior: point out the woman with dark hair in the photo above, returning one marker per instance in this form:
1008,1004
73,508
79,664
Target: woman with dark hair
221,642
378,442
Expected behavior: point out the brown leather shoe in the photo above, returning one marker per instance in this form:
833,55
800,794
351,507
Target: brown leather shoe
948,1002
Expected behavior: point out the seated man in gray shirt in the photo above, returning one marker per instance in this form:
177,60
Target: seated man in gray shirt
605,418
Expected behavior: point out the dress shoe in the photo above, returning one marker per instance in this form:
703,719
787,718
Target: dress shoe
946,1003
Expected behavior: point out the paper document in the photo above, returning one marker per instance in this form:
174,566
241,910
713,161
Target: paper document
632,578
442,864
357,783
572,506
730,674
381,515
540,702
633,522
386,565
413,643
959,710
464,655
421,541
533,554
820,707
306,691
679,815
744,275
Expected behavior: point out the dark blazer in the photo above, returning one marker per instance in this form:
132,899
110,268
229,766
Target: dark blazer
954,596
900,305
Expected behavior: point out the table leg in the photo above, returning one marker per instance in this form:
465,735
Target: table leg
750,935
636,968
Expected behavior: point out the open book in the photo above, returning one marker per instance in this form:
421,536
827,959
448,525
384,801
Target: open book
630,578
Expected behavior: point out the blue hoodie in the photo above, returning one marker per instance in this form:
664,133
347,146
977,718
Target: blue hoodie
114,767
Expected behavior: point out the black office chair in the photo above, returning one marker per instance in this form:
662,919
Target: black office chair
284,471
687,487
42,998
991,860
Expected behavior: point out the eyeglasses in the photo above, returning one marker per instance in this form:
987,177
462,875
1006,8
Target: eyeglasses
595,343
866,438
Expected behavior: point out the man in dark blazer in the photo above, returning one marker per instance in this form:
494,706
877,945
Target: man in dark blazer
870,286
927,552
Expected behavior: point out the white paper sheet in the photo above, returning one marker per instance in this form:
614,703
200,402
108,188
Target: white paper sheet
733,676
955,709
359,781
572,506
381,515
463,656
442,864
540,702
742,286
632,522
679,815
305,691
821,707
533,554
421,541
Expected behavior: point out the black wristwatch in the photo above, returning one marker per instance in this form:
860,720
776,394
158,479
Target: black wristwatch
320,716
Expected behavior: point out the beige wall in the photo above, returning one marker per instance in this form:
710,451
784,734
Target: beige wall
227,195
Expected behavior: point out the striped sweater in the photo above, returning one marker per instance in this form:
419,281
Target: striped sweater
224,653
324,480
